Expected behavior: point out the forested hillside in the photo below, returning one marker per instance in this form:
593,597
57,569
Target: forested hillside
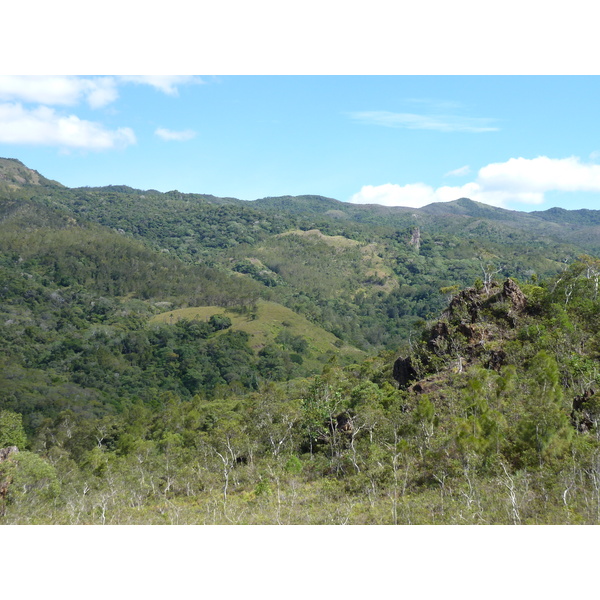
365,273
181,358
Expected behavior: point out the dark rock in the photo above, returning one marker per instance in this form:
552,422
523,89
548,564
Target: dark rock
584,414
468,331
439,332
467,304
343,422
496,360
404,372
512,292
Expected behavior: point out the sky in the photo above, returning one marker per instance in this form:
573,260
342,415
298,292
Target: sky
428,103
517,142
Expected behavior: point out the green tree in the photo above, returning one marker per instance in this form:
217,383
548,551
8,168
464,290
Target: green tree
11,430
31,479
219,322
543,429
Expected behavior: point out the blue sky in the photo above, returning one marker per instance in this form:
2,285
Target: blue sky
519,142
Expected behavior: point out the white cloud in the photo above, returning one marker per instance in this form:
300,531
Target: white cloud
541,174
165,83
101,91
177,136
446,123
43,126
58,90
69,90
459,172
518,180
26,116
413,195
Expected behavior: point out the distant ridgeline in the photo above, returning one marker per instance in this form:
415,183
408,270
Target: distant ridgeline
366,273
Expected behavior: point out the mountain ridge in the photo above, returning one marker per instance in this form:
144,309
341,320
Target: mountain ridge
16,173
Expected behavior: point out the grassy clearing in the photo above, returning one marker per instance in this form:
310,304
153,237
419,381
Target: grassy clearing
337,241
263,326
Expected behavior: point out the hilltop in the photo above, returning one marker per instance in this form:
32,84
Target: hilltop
14,174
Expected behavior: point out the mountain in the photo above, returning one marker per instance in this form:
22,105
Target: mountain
583,217
365,274
14,174
184,358
465,206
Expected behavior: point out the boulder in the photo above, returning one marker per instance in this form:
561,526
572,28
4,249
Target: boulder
512,292
404,372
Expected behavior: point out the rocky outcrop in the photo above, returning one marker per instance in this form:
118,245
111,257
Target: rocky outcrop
415,239
404,372
472,329
437,336
584,413
465,305
512,292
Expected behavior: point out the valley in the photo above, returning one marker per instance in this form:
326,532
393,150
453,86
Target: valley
174,358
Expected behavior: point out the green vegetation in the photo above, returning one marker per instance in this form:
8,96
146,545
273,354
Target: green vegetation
172,358
269,323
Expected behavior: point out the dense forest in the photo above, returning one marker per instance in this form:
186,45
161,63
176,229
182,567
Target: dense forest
186,359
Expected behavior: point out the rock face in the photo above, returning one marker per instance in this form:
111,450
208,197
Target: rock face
438,333
512,292
465,306
472,328
415,239
585,411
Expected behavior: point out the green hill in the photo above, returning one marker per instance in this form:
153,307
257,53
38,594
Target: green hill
370,289
182,358
268,322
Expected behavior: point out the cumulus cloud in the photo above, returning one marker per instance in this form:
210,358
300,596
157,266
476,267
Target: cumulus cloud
413,195
27,116
66,90
446,123
541,174
58,90
175,136
168,84
518,180
44,126
101,91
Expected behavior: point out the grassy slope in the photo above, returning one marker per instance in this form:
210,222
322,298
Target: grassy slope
271,318
328,265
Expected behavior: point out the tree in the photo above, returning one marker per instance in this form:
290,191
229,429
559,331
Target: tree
219,322
543,429
11,430
27,481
